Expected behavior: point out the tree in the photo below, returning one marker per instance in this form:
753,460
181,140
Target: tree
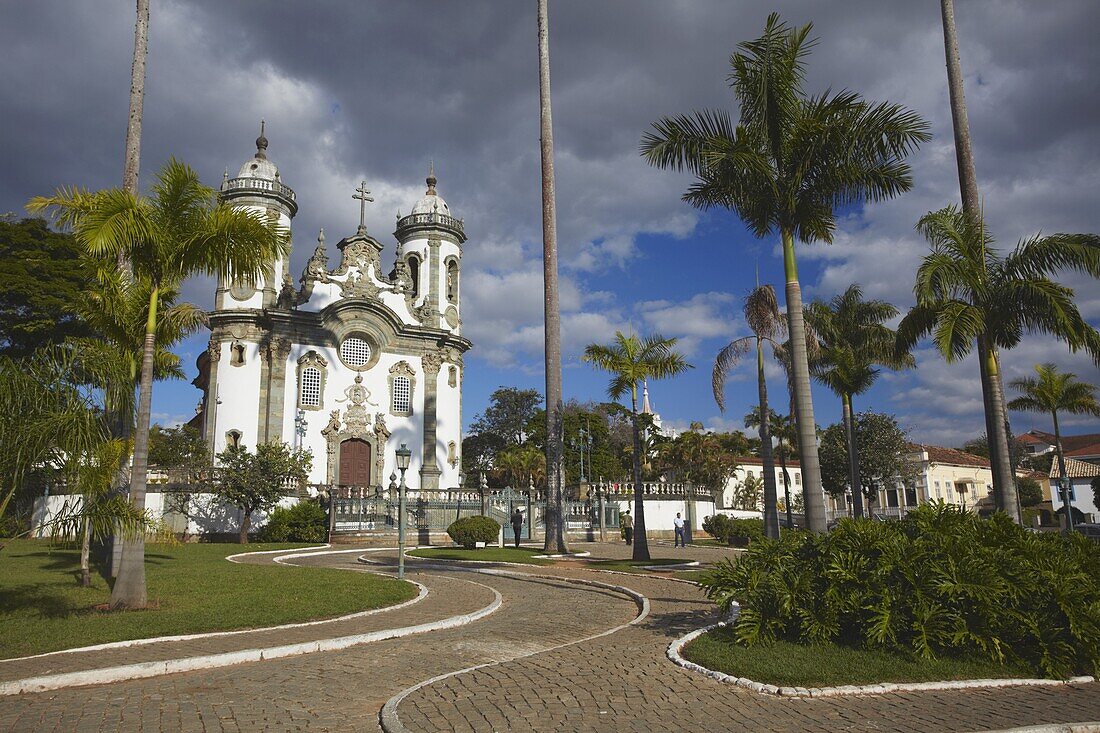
41,278
783,432
1095,485
746,494
631,360
555,495
1053,392
54,424
883,447
255,482
137,103
1031,493
969,295
523,465
178,448
507,417
705,459
762,315
853,342
785,167
181,230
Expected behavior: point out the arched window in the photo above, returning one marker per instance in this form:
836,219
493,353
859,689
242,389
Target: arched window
452,281
414,273
312,369
233,439
402,395
402,383
310,389
236,354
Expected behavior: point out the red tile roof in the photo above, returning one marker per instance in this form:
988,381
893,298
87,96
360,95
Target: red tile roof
950,456
1075,469
1073,445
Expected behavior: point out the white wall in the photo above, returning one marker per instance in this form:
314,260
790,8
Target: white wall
1082,498
659,513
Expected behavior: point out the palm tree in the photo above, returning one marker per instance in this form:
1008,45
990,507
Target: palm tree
854,342
53,422
1055,392
555,526
766,322
179,231
968,294
785,167
785,436
631,360
137,100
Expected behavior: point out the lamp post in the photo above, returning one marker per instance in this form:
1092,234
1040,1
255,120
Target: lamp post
402,455
300,426
461,486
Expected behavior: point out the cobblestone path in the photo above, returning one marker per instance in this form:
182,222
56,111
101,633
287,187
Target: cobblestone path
619,682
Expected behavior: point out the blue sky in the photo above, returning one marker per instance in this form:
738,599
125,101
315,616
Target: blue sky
373,90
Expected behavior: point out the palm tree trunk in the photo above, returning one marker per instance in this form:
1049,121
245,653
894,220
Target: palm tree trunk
129,589
964,153
85,553
555,530
786,483
771,515
1063,485
641,543
246,524
853,456
1004,483
987,405
803,399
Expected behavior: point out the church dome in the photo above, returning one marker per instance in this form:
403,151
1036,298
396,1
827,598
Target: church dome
258,181
431,202
259,166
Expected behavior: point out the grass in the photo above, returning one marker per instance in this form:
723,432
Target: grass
634,566
484,554
786,664
192,587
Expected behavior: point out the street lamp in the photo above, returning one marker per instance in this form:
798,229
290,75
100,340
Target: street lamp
300,426
402,455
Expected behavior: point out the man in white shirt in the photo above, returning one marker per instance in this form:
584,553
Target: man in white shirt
681,537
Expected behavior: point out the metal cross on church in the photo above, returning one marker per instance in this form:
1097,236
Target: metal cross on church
363,196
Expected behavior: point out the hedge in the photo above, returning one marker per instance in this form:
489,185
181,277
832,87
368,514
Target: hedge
470,530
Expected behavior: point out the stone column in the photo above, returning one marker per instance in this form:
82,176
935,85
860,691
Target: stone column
264,351
433,302
278,352
429,470
214,350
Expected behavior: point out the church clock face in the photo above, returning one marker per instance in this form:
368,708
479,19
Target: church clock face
355,352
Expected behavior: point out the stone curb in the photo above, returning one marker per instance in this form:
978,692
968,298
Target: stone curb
1089,727
674,649
387,717
144,670
130,643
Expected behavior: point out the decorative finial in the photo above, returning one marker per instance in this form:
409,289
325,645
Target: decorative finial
261,143
431,180
321,238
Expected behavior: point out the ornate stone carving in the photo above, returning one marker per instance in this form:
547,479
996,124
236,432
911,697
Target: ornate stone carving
278,349
317,267
380,428
356,424
359,285
288,296
451,314
432,362
214,349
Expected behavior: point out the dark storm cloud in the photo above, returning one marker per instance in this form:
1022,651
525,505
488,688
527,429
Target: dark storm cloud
376,89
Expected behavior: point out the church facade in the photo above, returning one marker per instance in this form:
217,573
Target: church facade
353,361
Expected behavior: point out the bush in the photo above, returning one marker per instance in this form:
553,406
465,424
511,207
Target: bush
939,582
303,522
722,528
469,530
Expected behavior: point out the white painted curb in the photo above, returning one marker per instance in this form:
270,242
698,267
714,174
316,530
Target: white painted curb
1089,727
130,643
675,648
388,718
144,670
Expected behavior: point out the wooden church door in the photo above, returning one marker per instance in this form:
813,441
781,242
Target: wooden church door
355,463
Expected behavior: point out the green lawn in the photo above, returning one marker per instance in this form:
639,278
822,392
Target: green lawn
484,554
795,665
634,566
193,587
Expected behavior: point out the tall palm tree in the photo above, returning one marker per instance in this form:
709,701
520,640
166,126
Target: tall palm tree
1053,392
631,360
784,434
137,102
766,322
181,230
854,342
555,514
969,295
785,167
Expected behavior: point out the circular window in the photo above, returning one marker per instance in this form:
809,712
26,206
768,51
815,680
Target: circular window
355,352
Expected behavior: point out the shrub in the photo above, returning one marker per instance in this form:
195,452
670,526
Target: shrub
939,582
303,522
469,530
722,528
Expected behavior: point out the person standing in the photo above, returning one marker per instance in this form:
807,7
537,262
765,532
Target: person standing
628,527
681,536
517,524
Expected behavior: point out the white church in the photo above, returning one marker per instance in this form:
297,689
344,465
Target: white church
353,361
